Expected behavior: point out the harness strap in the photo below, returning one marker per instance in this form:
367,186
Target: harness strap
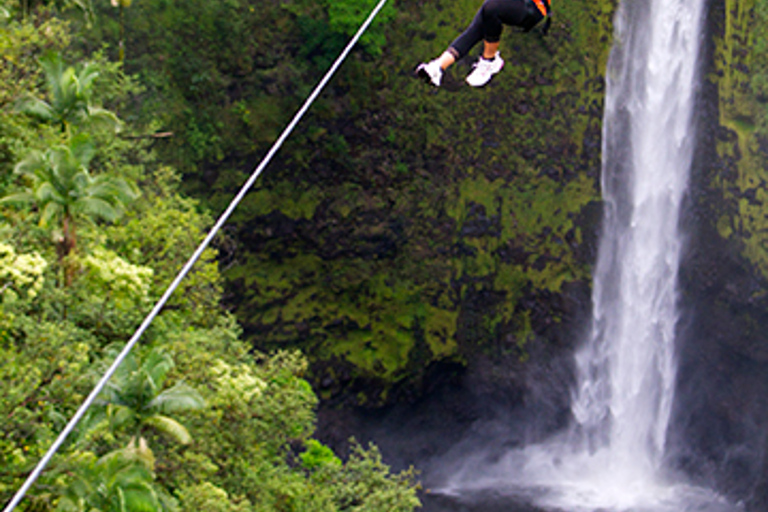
543,6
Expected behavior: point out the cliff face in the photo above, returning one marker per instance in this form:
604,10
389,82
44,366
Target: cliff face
431,226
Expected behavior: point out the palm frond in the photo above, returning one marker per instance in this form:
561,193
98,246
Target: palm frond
30,164
36,108
85,78
169,427
97,207
67,99
100,118
53,69
50,211
124,370
157,364
115,188
19,198
180,397
82,149
46,193
119,415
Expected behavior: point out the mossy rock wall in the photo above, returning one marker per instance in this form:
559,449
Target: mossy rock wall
407,226
721,419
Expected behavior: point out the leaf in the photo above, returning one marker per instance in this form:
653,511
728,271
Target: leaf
119,416
29,165
82,149
47,193
100,118
97,207
156,365
169,427
36,108
180,397
20,198
50,211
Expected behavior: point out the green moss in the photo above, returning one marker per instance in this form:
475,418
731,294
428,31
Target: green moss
409,207
292,201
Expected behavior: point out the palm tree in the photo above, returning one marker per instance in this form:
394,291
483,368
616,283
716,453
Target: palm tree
61,187
134,398
70,96
119,481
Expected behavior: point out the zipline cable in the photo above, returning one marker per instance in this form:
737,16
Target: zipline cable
192,260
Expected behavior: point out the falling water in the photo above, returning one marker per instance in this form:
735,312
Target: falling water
626,371
612,457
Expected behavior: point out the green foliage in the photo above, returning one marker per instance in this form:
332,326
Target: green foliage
121,480
135,398
70,93
110,276
392,211
228,426
317,455
208,497
327,26
20,273
21,44
368,487
60,186
161,232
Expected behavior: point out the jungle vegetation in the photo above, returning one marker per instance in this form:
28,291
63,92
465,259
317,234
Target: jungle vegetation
398,228
94,225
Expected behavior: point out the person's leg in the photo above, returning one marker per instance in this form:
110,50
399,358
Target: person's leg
496,14
472,35
490,49
486,26
446,59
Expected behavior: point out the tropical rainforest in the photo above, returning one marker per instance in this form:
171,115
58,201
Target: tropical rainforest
399,231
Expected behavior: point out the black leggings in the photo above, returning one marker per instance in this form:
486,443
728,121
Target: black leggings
489,21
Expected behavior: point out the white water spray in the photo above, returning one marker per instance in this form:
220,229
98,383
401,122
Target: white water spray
612,458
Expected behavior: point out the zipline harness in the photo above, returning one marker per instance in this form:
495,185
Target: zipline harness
188,266
545,8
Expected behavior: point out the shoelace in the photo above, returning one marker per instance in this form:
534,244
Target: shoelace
484,65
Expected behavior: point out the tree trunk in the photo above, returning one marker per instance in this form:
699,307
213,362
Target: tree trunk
66,248
122,36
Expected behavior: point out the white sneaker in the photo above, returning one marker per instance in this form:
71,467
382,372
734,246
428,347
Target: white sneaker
430,72
484,70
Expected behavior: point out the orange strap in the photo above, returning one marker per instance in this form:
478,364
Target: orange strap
541,6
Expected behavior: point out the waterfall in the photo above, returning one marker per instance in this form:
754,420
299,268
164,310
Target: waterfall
626,370
612,457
